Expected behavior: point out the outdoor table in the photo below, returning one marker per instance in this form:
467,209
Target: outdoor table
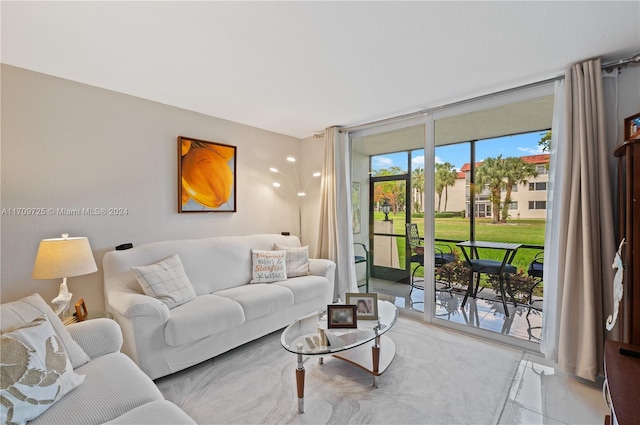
488,266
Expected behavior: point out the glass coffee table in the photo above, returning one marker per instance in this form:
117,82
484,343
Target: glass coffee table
362,347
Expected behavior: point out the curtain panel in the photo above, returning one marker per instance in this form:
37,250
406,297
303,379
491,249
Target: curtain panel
580,237
335,236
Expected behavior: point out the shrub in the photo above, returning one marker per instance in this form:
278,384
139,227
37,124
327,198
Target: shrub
449,214
517,286
454,272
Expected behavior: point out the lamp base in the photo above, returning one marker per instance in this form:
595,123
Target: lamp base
63,299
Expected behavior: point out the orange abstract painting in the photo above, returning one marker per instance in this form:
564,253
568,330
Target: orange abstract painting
206,176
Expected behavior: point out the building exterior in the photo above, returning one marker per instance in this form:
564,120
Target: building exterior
528,201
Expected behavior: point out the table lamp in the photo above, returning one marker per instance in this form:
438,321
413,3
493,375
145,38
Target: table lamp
62,258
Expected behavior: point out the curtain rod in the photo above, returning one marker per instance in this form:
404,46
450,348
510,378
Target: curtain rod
617,64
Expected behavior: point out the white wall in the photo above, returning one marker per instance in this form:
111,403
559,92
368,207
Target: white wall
69,145
312,160
628,96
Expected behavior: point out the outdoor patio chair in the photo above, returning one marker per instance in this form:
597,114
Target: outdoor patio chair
363,259
488,267
535,270
443,255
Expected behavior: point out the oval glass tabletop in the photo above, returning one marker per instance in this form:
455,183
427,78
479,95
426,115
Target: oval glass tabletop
309,335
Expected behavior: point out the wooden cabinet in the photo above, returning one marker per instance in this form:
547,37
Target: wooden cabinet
628,155
622,374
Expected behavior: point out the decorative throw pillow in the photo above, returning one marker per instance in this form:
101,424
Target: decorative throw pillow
268,266
16,314
35,371
297,260
166,281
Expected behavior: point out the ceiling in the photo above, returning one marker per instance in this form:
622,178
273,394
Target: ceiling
298,67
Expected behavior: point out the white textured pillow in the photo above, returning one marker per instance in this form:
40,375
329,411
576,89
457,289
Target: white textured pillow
16,314
268,266
297,260
166,281
34,363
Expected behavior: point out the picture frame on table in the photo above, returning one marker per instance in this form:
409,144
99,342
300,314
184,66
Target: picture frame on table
366,304
632,127
206,176
342,316
81,310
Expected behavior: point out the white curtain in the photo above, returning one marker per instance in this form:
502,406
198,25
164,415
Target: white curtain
335,239
554,244
579,244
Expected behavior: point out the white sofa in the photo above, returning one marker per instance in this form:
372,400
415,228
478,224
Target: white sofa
228,311
114,389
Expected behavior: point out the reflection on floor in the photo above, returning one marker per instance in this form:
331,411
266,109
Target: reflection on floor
484,312
540,394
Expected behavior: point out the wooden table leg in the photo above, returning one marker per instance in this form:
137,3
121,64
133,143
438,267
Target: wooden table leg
375,353
300,383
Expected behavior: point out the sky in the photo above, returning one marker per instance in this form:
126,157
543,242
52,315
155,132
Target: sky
458,154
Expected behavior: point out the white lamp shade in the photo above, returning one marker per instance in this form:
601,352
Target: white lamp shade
63,257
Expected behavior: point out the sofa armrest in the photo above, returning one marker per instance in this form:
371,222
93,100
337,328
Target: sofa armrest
325,268
322,267
130,304
97,337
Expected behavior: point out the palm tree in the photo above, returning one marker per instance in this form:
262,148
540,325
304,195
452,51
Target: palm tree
491,173
417,183
439,185
516,171
445,177
449,178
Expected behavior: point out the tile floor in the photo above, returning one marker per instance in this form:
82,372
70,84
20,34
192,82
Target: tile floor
483,312
540,394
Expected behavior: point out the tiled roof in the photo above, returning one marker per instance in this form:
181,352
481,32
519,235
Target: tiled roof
542,158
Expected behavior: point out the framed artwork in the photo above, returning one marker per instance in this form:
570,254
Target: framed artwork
81,310
341,316
366,304
206,176
355,207
632,127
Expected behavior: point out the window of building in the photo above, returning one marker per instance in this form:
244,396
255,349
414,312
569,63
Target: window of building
542,169
513,206
537,205
538,186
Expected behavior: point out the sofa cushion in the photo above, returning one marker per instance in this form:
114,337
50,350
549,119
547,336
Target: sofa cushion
166,281
113,386
206,315
160,412
18,313
35,372
306,287
259,300
268,266
297,260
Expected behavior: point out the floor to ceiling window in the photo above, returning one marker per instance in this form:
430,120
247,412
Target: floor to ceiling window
470,173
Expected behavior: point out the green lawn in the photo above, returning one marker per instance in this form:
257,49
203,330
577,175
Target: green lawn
528,232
